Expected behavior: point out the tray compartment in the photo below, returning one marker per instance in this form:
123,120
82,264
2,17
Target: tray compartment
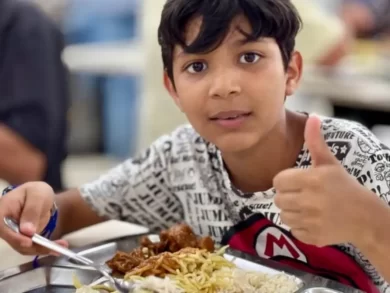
47,279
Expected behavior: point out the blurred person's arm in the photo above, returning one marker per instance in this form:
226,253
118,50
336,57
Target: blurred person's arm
324,39
358,16
19,161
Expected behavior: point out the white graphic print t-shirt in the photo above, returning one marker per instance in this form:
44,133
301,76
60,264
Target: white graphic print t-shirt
181,177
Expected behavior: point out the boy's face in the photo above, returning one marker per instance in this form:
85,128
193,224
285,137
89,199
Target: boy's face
234,95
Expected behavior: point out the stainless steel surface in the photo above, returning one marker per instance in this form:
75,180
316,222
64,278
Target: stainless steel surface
309,282
121,285
47,280
320,290
102,253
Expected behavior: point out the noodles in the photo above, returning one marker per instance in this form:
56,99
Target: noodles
172,240
182,262
193,270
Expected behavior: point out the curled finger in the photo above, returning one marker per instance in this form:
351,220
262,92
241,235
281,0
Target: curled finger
292,219
288,201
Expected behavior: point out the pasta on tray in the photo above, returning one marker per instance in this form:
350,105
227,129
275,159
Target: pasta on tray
182,263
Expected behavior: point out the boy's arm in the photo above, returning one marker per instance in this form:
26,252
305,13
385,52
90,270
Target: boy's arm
375,243
73,213
137,191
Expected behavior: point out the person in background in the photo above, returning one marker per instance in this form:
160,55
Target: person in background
56,9
33,96
367,18
322,41
331,27
368,23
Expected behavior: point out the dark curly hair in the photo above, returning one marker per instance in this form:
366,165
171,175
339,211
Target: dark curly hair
277,19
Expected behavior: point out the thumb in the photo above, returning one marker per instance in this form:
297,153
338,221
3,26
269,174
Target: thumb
315,142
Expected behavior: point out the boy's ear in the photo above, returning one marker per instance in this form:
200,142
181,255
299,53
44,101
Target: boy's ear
171,89
294,73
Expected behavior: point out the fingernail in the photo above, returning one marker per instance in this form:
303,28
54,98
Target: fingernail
54,253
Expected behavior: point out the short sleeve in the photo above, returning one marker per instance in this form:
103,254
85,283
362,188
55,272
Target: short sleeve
376,174
138,190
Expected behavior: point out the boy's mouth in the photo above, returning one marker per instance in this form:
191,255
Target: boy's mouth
230,115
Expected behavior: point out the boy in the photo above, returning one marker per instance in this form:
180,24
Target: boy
282,185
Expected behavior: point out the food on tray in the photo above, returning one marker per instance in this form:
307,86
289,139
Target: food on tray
172,240
182,263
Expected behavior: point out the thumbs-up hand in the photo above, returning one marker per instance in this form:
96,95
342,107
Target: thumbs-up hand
323,205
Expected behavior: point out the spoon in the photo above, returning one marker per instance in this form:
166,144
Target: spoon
121,285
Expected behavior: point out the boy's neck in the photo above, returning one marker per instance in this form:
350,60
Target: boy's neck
254,170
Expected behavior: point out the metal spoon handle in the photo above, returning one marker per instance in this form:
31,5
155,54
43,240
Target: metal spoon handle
52,246
38,239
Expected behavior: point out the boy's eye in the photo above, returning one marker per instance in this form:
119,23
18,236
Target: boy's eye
249,58
196,67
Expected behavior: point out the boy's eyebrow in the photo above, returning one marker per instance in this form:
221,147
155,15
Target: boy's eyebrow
239,42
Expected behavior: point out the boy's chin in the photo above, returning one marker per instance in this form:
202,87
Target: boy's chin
237,143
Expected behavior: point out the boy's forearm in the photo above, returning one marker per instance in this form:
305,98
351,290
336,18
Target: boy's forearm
73,213
375,244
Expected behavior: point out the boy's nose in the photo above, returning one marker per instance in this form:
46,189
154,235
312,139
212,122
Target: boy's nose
225,84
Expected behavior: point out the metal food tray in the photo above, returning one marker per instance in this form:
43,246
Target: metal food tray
55,274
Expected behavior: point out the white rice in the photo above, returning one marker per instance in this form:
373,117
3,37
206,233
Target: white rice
236,280
255,282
